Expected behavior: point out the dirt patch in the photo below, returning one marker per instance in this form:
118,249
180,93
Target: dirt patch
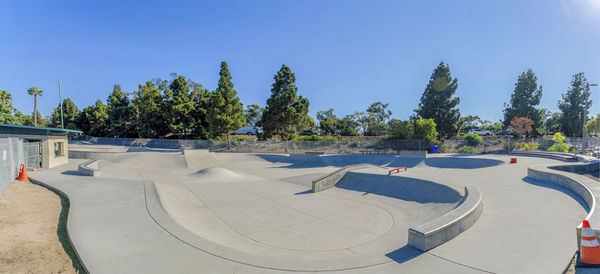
33,233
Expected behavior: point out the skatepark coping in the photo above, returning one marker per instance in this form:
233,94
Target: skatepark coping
440,230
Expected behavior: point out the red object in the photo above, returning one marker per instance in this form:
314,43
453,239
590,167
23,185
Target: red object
396,170
513,160
23,174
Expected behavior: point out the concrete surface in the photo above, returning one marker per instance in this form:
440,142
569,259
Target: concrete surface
252,213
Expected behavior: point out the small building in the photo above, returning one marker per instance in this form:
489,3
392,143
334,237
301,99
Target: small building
43,147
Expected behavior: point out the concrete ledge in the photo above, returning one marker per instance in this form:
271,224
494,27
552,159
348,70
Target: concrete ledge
81,154
89,168
330,180
552,155
587,189
429,235
413,153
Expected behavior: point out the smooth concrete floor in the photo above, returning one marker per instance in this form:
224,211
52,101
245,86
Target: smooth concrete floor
259,206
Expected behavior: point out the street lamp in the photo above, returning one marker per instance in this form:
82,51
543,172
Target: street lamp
62,125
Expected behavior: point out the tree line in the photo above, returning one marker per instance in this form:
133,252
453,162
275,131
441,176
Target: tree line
182,108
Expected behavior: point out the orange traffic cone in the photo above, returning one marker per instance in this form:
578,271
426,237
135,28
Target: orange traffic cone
23,174
590,248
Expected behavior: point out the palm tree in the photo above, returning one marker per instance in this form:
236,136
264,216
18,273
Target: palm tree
35,92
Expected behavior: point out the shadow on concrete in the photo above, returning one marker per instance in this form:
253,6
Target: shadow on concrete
312,160
70,172
462,162
557,188
403,188
304,192
404,254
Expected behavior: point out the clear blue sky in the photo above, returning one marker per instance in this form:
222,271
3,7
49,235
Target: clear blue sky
345,54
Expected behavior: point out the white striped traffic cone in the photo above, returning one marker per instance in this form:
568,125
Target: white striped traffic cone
590,248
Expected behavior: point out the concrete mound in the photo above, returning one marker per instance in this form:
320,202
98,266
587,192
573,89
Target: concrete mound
461,162
213,174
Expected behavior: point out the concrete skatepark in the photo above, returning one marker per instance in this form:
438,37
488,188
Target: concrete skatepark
156,211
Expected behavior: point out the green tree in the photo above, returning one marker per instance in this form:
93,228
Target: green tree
574,105
328,122
425,129
148,103
399,129
179,105
438,102
377,117
552,122
253,113
593,125
202,104
5,97
285,110
37,120
523,101
347,126
35,92
559,143
468,122
93,120
121,114
226,113
70,115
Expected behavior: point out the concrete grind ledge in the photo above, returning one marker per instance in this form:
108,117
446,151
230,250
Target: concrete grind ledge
440,230
587,189
550,155
330,180
89,168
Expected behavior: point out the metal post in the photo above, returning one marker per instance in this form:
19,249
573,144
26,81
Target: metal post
62,125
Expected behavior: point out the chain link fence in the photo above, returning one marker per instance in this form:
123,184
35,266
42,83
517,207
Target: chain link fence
357,145
11,151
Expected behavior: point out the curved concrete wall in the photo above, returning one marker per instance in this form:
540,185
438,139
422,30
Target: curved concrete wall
330,180
89,168
587,189
440,230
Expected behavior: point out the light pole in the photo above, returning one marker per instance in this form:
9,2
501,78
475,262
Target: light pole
62,125
585,107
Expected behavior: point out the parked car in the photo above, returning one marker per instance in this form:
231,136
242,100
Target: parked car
245,131
480,131
503,132
308,133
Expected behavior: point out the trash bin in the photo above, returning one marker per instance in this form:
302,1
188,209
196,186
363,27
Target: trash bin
434,149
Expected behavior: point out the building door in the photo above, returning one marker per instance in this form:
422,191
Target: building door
33,153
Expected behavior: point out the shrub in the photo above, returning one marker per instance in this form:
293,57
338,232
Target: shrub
330,139
467,149
310,138
473,139
559,143
242,138
526,146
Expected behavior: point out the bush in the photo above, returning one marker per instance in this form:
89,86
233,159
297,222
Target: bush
310,138
467,149
526,146
242,138
559,143
473,139
330,139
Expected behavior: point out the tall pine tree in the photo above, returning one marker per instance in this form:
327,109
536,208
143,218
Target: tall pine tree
179,105
121,114
438,102
574,105
523,101
286,112
226,112
148,102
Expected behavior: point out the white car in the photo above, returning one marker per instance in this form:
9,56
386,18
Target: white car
245,131
480,131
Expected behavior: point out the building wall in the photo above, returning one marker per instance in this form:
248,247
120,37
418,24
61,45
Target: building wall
49,159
